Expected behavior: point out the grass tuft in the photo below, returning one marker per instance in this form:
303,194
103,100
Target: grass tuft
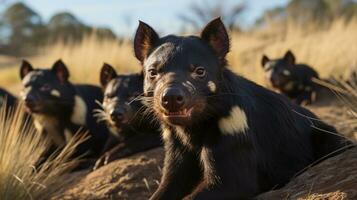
21,148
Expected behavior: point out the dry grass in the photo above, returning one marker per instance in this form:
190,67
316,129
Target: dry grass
20,149
86,59
330,51
347,93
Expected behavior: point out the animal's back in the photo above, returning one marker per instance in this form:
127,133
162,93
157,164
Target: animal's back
304,72
89,93
8,97
286,140
92,95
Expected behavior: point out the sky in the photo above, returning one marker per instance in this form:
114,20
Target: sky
122,15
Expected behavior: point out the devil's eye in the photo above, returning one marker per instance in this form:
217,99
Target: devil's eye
286,72
152,73
200,71
45,88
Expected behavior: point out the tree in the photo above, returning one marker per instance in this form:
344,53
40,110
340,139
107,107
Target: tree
22,25
63,19
22,30
66,27
277,14
203,12
306,11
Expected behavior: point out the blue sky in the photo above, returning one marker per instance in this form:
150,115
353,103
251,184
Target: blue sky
115,14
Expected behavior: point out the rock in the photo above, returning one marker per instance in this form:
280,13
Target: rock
133,178
334,178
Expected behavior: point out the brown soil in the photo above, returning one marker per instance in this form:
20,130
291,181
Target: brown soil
335,178
131,178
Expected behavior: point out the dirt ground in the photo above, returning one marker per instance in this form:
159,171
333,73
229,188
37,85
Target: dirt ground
136,177
335,112
132,178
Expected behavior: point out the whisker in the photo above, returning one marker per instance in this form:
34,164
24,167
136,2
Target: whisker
99,103
136,98
320,129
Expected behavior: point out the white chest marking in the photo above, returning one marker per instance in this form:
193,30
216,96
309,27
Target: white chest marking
55,93
79,111
51,126
235,123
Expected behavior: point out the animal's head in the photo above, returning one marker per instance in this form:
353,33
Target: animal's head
278,71
182,73
121,104
46,91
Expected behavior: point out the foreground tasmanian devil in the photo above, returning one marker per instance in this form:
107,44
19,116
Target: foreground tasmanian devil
60,109
292,80
225,137
123,112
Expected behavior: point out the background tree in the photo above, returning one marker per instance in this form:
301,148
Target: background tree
304,12
199,13
22,30
66,27
23,27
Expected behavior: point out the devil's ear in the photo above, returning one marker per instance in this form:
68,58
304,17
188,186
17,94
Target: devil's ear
144,41
61,71
107,74
25,68
215,34
264,60
289,57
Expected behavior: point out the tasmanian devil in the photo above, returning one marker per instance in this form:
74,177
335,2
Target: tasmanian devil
225,137
291,79
6,98
61,109
132,131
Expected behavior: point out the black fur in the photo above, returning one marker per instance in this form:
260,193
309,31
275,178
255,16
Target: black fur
8,98
291,79
132,131
50,98
208,156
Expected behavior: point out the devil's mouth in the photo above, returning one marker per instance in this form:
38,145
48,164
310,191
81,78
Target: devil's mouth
120,123
183,113
33,108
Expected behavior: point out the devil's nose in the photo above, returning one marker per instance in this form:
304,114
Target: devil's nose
29,99
173,99
275,80
117,114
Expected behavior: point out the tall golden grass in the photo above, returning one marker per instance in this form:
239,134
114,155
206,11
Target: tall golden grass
346,91
331,51
86,58
20,149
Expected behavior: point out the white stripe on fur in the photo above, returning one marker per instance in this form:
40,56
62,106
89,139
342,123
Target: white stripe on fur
235,123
